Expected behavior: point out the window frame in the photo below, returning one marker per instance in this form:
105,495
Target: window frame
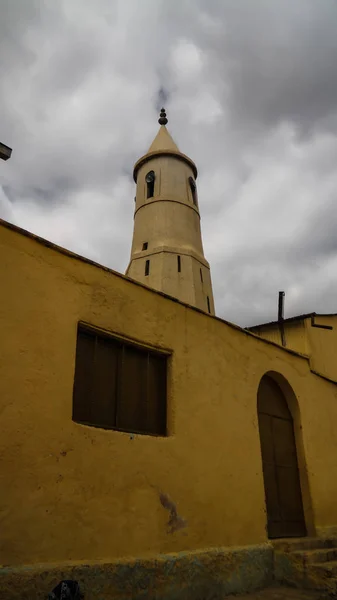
150,184
122,343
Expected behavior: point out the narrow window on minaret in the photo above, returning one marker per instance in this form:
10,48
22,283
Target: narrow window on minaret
208,305
150,179
201,276
147,267
179,264
193,191
145,245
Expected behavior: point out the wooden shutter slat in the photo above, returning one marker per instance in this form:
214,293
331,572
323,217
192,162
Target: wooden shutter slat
156,400
83,377
104,383
131,414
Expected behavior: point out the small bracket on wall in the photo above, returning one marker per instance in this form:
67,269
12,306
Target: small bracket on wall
313,324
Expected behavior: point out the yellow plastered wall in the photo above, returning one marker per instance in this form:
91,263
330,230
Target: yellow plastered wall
72,492
317,343
271,333
323,344
295,335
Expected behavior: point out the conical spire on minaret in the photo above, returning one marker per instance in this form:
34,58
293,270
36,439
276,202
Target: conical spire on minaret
163,140
163,143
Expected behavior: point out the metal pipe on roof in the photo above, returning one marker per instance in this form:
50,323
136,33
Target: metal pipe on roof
281,306
5,151
280,319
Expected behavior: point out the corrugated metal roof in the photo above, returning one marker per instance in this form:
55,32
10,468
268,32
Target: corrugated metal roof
290,319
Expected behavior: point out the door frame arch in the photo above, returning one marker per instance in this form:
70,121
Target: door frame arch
295,412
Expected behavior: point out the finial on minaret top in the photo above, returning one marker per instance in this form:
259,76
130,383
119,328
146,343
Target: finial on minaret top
162,119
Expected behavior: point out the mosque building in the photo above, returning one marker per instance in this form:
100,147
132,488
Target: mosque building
149,448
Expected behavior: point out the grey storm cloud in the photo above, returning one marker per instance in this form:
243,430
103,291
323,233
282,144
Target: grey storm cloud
250,90
281,58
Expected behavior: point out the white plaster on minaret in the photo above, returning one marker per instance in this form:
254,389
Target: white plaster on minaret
167,252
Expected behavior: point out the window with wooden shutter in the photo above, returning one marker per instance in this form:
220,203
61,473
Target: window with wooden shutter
119,385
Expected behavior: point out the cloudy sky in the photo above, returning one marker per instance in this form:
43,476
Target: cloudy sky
250,87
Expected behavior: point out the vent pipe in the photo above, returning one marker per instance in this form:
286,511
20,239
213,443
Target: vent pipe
280,318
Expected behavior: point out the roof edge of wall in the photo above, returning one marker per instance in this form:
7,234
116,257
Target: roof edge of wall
70,254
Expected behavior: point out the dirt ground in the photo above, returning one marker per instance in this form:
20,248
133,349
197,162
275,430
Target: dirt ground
282,593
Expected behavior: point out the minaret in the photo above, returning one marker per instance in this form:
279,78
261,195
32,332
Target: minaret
167,252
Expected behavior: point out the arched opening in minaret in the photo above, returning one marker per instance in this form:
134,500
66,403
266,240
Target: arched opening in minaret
193,188
150,179
208,304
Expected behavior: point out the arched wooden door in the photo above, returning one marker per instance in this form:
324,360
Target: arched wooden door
280,467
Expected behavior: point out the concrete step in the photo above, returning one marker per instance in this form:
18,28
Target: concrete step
322,576
292,544
328,569
318,555
308,563
314,576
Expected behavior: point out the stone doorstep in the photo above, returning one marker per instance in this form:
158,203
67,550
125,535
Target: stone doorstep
309,563
282,593
328,570
291,544
318,578
320,555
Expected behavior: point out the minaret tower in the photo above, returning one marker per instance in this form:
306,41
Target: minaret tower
167,252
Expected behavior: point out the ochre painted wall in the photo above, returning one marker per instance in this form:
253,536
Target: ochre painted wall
318,344
271,333
72,492
295,335
323,346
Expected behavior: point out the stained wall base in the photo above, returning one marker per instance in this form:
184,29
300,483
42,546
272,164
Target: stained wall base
207,574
